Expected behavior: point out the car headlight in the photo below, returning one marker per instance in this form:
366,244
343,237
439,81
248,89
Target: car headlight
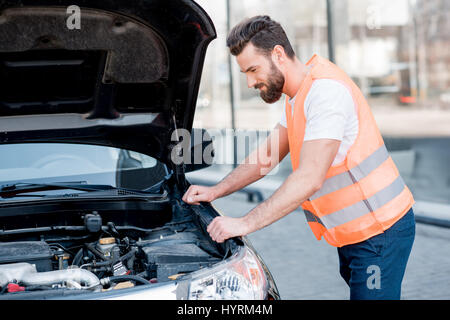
239,277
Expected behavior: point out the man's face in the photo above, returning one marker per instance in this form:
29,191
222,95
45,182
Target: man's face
261,73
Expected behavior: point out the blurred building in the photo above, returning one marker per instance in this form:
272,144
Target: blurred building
397,51
431,20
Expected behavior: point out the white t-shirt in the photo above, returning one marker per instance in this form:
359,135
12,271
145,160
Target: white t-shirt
330,114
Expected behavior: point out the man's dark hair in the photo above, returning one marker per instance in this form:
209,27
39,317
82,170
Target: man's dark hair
261,31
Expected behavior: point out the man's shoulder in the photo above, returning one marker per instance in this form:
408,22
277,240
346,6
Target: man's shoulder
329,94
327,90
328,85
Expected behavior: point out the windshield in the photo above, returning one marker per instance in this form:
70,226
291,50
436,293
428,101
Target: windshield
63,162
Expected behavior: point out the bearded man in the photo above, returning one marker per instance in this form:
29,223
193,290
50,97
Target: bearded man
343,177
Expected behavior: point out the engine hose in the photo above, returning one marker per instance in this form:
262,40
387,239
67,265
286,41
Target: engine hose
97,253
77,259
110,262
97,264
128,255
108,280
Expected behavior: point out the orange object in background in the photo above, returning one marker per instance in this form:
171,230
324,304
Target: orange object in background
408,99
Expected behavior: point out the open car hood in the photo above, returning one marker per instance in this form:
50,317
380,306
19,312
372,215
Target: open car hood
127,77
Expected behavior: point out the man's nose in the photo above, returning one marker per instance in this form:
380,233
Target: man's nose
251,82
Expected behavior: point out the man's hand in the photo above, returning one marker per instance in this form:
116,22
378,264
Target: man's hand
223,228
195,194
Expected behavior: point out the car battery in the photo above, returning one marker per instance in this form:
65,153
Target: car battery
164,260
33,252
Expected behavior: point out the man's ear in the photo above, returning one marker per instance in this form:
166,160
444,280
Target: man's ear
278,53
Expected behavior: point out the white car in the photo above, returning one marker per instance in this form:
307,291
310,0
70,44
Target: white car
90,195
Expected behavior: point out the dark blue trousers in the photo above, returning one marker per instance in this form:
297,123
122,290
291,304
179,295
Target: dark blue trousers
374,268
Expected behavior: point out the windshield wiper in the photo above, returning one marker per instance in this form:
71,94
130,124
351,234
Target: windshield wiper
12,190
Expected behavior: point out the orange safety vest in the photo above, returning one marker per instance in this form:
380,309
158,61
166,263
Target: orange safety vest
365,194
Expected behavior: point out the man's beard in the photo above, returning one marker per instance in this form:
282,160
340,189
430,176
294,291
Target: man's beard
274,85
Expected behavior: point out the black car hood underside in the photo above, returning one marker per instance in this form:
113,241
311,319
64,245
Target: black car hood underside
127,77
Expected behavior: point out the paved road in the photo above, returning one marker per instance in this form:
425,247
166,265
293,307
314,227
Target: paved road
305,268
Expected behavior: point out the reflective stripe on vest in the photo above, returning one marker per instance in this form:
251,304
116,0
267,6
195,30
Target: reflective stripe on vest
353,175
360,208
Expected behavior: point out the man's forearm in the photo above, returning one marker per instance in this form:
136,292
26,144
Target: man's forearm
258,164
297,188
239,178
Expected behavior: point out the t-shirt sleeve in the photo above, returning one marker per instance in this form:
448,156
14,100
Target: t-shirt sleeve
327,107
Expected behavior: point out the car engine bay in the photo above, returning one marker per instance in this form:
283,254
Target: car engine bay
99,251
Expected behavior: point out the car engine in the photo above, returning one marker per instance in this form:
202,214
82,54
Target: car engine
101,256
